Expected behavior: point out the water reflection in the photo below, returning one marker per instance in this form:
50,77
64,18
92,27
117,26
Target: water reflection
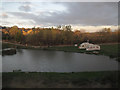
57,61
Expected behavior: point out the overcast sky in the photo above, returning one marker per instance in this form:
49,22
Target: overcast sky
90,16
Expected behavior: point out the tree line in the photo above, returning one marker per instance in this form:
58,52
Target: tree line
57,36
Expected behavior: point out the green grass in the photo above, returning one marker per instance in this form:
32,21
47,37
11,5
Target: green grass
52,79
110,50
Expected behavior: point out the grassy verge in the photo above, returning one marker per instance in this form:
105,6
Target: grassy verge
110,50
69,80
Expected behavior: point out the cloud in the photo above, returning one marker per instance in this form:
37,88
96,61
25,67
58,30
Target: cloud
82,13
92,13
77,13
4,15
25,7
93,28
61,0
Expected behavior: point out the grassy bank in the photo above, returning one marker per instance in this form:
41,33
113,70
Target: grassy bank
110,50
69,80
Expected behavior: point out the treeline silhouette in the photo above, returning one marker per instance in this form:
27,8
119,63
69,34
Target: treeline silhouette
57,36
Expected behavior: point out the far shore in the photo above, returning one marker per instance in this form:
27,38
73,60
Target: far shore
27,45
42,46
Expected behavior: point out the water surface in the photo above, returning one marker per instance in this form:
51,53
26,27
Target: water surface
56,61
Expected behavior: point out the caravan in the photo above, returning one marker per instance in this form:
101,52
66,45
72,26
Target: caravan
92,47
89,47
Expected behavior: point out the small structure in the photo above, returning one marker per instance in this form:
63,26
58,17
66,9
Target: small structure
75,45
89,47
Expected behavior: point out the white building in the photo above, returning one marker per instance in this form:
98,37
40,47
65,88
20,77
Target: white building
89,46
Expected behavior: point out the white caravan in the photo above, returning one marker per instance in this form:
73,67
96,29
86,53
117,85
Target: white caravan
89,46
92,47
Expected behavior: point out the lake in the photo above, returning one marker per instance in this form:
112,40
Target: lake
56,61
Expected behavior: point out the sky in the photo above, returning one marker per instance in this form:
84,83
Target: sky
88,16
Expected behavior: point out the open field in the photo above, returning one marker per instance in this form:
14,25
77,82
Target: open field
59,80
